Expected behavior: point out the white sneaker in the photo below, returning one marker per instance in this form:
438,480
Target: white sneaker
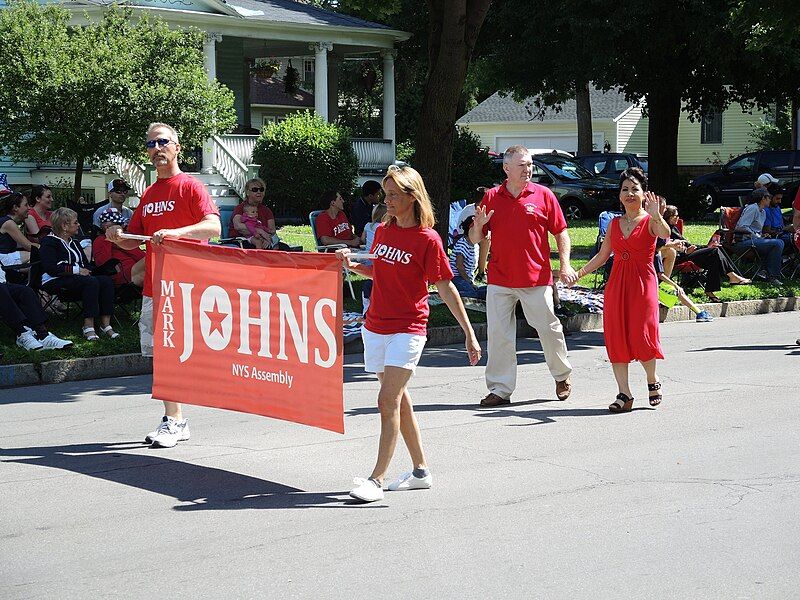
407,481
52,342
27,340
170,432
366,490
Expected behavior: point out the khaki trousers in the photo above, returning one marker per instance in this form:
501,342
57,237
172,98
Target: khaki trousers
537,304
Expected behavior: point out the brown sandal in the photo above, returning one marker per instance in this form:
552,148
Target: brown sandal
654,387
622,404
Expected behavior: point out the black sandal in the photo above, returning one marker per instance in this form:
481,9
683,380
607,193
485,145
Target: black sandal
654,387
622,404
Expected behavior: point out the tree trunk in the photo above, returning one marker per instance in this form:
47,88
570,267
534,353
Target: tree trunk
795,108
664,113
583,109
76,190
452,31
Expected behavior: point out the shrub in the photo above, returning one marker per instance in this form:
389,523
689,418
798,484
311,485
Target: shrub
302,157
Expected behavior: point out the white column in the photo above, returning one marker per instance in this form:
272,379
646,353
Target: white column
210,40
388,96
321,50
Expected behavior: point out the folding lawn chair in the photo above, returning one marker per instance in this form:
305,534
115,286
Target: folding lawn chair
312,219
603,223
747,260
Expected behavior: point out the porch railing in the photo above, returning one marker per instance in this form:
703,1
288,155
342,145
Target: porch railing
240,146
134,173
373,154
234,170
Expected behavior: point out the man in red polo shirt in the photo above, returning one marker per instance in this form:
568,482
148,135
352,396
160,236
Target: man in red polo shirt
518,215
177,206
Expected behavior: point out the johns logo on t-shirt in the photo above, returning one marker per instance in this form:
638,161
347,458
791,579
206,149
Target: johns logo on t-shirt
156,209
392,254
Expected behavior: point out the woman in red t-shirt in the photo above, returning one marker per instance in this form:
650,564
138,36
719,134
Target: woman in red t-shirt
409,256
37,223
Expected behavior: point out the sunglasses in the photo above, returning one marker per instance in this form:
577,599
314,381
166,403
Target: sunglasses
159,142
257,189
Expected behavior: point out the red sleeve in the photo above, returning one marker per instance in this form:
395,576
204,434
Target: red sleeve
205,205
437,265
486,202
237,210
135,225
796,203
556,223
324,225
101,250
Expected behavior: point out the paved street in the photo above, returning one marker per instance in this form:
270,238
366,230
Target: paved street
543,499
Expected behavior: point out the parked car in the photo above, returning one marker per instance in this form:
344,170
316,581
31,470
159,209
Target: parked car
611,165
736,178
580,193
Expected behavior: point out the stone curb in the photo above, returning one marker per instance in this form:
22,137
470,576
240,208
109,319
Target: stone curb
78,369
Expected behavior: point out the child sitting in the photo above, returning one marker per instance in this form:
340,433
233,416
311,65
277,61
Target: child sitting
463,259
260,237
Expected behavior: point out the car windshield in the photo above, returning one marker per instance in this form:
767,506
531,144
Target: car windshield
565,168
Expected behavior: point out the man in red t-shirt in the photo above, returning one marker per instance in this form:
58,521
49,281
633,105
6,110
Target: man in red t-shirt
518,215
332,226
176,206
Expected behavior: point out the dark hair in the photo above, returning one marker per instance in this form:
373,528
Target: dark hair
478,194
670,211
10,202
37,191
326,198
370,187
774,189
634,173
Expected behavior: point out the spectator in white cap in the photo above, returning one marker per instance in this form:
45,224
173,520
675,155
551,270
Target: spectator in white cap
117,192
764,180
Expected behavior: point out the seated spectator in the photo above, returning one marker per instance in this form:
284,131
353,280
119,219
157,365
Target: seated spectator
21,310
130,263
66,269
701,316
363,208
254,196
332,226
462,262
15,248
37,223
369,235
712,259
748,233
774,227
117,193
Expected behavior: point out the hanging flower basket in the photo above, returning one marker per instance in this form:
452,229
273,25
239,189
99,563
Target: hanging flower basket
265,68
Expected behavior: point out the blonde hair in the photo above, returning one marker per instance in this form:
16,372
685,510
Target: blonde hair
410,182
170,128
378,213
257,180
61,216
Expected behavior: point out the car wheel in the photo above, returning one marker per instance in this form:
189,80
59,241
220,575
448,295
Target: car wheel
706,199
574,210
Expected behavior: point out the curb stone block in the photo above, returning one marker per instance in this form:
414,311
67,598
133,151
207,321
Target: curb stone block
18,375
77,369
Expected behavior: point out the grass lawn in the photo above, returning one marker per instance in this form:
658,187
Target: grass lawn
582,234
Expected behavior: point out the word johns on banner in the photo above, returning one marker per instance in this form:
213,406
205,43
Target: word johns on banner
253,331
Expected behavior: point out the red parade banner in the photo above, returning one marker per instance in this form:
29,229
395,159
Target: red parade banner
254,331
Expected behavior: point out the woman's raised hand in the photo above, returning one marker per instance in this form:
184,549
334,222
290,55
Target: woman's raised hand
652,204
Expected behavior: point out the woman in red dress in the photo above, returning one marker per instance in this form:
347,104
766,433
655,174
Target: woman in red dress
630,306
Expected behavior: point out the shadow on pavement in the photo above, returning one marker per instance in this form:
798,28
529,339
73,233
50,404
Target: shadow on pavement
70,391
792,347
198,487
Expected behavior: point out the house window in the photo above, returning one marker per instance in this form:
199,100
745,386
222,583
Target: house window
308,70
711,128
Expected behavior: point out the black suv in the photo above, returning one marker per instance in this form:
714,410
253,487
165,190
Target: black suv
580,193
736,178
611,165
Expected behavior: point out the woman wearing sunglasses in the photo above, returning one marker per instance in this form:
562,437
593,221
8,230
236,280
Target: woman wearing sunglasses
253,196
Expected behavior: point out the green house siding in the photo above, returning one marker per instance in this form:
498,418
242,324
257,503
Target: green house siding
632,132
735,138
493,134
231,70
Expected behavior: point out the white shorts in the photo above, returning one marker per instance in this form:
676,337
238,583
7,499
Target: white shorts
12,258
401,350
146,326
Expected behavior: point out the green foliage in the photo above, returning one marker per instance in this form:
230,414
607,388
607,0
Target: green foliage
771,134
84,93
302,157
